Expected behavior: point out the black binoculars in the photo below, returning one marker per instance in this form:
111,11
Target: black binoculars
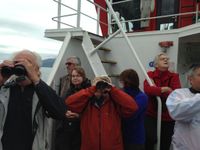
102,85
18,70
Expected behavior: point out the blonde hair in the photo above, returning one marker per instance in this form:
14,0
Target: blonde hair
101,78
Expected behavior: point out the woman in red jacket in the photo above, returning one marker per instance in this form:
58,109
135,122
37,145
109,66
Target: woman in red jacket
164,83
101,107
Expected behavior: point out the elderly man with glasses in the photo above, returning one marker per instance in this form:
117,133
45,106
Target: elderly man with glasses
65,81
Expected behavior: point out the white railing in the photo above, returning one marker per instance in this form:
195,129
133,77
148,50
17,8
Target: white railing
60,18
78,14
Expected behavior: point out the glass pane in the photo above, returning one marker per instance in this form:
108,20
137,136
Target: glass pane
167,7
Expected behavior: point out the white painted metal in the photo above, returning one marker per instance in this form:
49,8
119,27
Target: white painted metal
78,13
98,20
110,20
58,60
104,42
58,18
59,14
94,59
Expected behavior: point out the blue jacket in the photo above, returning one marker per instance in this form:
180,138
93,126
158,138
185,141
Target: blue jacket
133,127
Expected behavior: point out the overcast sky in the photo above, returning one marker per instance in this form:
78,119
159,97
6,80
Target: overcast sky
22,25
23,22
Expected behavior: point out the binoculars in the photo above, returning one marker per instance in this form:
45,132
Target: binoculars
18,70
102,85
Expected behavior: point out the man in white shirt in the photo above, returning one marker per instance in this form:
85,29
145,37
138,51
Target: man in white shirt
184,107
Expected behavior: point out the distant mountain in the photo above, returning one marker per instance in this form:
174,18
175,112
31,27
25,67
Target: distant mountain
48,62
4,56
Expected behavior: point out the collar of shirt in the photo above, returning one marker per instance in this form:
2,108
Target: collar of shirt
194,91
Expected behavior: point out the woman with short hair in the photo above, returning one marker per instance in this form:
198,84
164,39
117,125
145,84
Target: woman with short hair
68,135
133,127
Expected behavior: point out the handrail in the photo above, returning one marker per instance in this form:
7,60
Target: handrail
111,22
124,1
77,14
59,13
197,13
63,23
159,17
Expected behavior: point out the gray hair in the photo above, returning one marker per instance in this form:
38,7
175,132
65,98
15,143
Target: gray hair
156,59
102,78
76,59
193,69
38,59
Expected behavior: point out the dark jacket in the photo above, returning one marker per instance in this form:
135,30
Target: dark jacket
51,102
68,134
45,102
72,124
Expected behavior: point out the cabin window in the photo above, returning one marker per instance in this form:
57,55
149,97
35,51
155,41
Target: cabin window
167,7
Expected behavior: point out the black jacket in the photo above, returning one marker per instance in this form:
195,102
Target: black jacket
72,124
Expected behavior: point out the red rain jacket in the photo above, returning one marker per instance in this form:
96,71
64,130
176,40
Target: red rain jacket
161,79
101,126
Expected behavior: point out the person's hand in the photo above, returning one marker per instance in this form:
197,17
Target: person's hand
33,72
152,81
7,63
70,114
165,89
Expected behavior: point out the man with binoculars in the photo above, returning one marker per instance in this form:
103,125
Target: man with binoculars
101,107
23,121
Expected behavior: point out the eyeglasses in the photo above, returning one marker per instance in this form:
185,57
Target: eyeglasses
164,58
69,63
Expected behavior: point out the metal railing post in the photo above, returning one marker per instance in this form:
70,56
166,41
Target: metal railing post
197,13
110,20
59,14
78,13
143,70
98,19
